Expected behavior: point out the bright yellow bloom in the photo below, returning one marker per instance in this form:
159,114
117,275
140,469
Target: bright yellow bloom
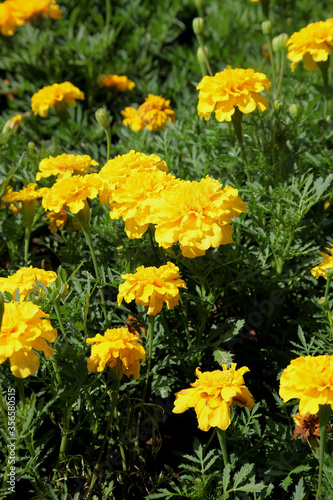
116,171
65,165
120,82
13,124
197,214
26,194
117,344
25,328
34,8
132,119
231,88
151,286
134,198
58,96
313,44
327,263
310,379
153,114
212,395
14,207
25,280
72,191
11,16
60,219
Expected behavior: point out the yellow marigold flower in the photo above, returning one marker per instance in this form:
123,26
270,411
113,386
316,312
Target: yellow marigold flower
327,263
26,194
34,8
120,82
230,88
134,198
25,329
13,124
65,165
60,219
58,96
11,16
72,191
116,344
212,395
197,214
156,112
151,286
116,171
310,379
313,44
132,119
14,207
25,280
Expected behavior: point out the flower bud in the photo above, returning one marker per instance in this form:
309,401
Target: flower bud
198,26
329,273
266,27
12,125
200,55
293,110
278,105
31,146
323,302
103,118
280,42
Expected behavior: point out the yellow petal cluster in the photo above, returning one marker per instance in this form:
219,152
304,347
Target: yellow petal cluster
26,194
231,88
151,286
57,96
119,82
313,44
310,379
25,280
72,191
116,171
60,219
198,215
132,201
25,329
65,165
153,114
11,16
14,13
212,395
116,344
327,263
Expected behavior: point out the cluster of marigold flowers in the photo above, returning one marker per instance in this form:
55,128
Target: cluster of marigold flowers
15,13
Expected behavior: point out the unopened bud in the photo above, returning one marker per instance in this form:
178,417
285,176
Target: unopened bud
266,27
12,125
198,26
293,110
323,302
103,118
31,146
280,42
201,56
329,273
278,105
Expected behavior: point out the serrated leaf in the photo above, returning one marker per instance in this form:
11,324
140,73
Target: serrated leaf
242,474
226,477
299,492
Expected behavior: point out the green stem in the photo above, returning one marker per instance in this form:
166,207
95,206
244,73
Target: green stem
20,387
26,244
328,284
323,66
64,437
237,124
122,450
271,57
324,416
108,13
108,141
202,45
151,325
116,385
282,66
222,435
56,371
57,311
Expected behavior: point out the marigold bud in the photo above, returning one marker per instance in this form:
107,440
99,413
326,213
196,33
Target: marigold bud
201,56
103,118
293,110
266,27
12,125
280,42
31,146
198,26
329,272
323,302
278,105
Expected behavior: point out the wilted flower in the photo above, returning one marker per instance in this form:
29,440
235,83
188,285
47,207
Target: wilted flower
310,379
13,124
198,215
327,263
313,44
212,395
151,286
25,329
25,280
117,345
60,219
65,165
120,82
58,96
229,89
153,114
307,426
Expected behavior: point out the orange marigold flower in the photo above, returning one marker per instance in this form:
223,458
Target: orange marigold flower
58,96
313,44
134,198
153,114
151,286
25,280
117,345
231,88
327,263
132,119
120,82
310,379
198,215
65,165
212,395
11,16
72,191
25,329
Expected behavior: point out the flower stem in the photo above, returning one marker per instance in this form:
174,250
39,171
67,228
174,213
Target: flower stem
323,66
108,141
202,45
26,244
57,311
115,392
324,415
237,124
20,387
108,13
222,435
151,325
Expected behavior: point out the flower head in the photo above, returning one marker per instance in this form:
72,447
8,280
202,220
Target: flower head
25,329
116,345
58,96
310,379
212,395
229,89
26,194
132,119
65,165
327,263
313,44
11,16
25,280
119,82
153,114
151,286
197,214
